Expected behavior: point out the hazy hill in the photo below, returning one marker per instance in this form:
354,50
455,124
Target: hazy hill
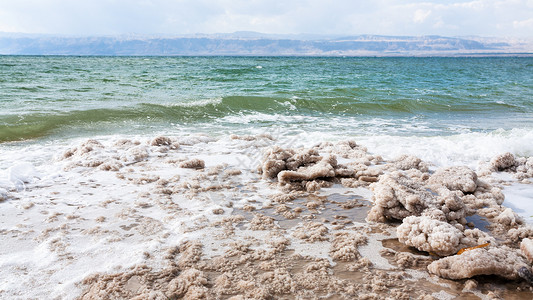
252,43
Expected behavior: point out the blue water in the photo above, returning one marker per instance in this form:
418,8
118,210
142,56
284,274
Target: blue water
43,98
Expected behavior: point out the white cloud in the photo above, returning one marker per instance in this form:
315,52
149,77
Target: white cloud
389,17
421,15
528,24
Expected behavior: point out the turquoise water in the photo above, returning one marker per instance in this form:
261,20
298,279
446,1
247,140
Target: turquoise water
47,98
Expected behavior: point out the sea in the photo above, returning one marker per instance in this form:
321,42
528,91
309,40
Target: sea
445,110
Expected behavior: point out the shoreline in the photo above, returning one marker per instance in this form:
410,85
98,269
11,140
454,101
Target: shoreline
190,216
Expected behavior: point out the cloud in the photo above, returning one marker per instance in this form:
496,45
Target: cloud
388,17
527,24
421,15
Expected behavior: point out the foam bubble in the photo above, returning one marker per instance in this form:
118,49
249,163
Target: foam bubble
22,173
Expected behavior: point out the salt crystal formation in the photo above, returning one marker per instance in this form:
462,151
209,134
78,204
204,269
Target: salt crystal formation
457,178
193,164
526,246
424,228
397,196
430,235
432,206
306,169
522,167
93,154
408,162
502,261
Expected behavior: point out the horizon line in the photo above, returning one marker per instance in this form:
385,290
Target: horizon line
250,34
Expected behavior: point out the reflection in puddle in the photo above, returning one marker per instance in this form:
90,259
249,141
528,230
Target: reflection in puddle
479,222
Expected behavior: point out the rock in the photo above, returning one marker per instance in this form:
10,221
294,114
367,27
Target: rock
455,178
502,261
526,246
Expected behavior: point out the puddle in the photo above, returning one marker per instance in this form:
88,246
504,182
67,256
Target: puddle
479,222
335,209
395,245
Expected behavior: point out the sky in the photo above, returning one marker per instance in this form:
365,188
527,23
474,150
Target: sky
498,18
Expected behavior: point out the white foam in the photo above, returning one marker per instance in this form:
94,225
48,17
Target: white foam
519,197
195,103
262,117
22,173
462,149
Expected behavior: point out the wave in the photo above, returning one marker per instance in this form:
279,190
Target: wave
351,106
35,125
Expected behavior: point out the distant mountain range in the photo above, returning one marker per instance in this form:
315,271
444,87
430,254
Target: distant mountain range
257,44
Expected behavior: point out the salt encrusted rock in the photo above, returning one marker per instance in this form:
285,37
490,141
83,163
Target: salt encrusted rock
526,246
475,237
262,136
430,235
349,150
303,168
455,178
501,261
83,148
487,195
408,260
503,161
522,167
90,153
509,218
452,206
397,196
189,284
93,154
135,154
522,232
343,171
322,169
277,159
193,164
126,143
526,274
529,165
161,141
407,162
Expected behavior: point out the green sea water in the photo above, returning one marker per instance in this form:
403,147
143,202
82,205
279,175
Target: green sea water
46,98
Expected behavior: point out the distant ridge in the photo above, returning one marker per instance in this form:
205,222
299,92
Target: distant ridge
258,44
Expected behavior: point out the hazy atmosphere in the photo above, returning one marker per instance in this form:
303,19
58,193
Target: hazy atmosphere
512,18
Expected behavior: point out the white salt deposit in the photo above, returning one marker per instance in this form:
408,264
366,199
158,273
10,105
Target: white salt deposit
120,204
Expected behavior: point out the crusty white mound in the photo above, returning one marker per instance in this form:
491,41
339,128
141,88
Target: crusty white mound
455,178
438,237
397,196
526,246
502,261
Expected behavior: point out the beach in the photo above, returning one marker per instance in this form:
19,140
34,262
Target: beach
265,178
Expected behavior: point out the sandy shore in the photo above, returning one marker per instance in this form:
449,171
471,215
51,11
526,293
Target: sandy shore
240,218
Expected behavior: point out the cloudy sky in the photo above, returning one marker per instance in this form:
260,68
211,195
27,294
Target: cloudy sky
498,18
